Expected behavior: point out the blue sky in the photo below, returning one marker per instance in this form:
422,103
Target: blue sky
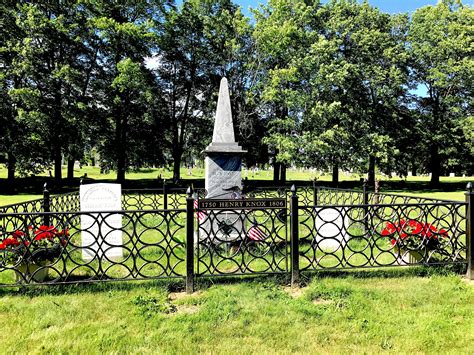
391,6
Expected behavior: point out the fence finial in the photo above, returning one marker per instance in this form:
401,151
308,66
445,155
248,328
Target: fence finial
293,190
469,186
45,186
189,191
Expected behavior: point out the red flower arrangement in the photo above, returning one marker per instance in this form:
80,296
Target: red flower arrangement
44,243
412,234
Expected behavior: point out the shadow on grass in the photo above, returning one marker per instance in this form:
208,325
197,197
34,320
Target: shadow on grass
203,283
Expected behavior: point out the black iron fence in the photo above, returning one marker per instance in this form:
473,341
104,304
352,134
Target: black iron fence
92,246
170,232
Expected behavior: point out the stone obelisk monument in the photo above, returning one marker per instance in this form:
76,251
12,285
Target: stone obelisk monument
224,154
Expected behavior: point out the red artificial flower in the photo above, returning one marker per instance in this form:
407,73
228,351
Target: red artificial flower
18,234
9,241
45,232
443,232
411,228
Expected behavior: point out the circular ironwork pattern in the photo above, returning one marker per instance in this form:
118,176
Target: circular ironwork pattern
80,246
241,241
358,236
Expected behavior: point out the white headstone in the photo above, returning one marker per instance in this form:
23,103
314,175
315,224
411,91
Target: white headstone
101,233
410,173
452,174
331,228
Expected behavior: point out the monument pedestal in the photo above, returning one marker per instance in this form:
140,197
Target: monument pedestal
223,175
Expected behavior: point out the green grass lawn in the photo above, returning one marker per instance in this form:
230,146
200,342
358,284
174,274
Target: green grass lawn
11,199
198,173
411,310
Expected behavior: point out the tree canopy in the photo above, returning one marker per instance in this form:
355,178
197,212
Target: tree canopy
331,86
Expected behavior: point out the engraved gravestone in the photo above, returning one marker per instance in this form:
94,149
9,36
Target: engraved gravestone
223,167
101,232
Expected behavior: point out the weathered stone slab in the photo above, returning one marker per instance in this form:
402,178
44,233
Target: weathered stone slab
223,172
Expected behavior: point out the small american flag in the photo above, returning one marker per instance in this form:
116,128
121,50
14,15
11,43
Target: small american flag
255,233
200,215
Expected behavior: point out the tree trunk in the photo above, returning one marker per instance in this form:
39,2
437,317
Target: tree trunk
58,174
276,173
435,165
283,173
121,165
177,155
335,174
414,170
11,166
371,172
70,169
121,140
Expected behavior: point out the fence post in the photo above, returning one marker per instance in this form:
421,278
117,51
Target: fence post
189,241
315,193
295,261
165,196
46,204
470,231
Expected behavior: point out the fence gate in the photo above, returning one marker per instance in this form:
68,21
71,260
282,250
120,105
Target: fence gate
244,236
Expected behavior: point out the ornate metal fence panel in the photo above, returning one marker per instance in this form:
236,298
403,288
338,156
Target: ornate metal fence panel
241,237
142,199
359,236
177,197
334,196
305,193
68,202
88,247
386,198
153,199
32,206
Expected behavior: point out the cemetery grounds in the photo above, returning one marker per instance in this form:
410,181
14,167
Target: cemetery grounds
400,310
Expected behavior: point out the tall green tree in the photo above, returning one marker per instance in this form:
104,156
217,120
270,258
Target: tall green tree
337,74
200,43
44,75
441,47
281,36
125,33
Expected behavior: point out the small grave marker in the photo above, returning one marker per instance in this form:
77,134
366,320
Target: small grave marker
330,227
101,234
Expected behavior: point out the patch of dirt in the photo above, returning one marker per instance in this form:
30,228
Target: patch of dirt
174,296
469,282
294,292
321,301
187,309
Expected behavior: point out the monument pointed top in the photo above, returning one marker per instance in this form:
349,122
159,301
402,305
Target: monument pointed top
223,138
223,126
